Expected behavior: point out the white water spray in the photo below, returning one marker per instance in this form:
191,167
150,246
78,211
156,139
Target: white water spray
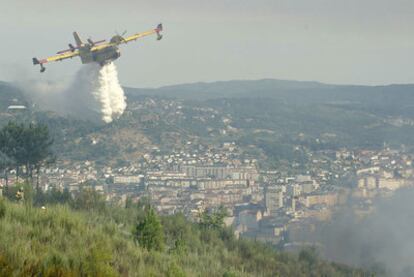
96,94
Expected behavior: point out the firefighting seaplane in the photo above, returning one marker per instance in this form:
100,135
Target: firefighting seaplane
100,52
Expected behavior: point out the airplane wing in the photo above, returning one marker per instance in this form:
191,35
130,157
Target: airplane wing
59,57
101,46
118,39
144,34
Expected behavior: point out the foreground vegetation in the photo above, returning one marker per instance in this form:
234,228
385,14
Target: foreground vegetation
82,238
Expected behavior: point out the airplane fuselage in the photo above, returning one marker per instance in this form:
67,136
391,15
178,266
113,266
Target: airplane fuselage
102,56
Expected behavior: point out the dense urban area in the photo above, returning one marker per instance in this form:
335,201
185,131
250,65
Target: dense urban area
273,206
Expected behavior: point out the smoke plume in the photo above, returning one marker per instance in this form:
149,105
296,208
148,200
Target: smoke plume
382,241
94,94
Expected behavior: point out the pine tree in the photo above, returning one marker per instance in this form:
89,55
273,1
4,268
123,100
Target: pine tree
149,232
26,146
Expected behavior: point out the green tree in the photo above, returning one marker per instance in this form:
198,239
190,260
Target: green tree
28,146
149,232
213,219
37,147
12,143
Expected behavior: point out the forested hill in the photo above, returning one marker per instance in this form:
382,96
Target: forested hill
325,116
273,116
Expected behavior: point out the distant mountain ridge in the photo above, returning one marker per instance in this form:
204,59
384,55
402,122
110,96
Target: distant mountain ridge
392,99
242,88
215,89
262,88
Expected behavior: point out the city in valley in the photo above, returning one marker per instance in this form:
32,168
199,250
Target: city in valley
281,206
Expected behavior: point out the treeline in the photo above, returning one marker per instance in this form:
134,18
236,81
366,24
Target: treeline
85,199
85,238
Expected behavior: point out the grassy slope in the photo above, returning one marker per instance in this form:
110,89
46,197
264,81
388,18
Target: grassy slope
62,242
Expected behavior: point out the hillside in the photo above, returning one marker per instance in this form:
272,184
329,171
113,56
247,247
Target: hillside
60,241
273,116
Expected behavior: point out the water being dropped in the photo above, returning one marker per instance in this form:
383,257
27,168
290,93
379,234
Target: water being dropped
95,94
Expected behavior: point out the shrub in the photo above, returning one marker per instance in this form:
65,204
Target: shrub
175,271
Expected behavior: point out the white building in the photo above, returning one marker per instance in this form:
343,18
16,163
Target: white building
273,199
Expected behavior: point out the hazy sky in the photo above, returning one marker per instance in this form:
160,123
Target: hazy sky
334,41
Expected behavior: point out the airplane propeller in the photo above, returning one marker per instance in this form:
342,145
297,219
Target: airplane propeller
123,33
119,37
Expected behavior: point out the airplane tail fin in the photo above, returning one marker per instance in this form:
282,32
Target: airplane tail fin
158,30
77,39
42,67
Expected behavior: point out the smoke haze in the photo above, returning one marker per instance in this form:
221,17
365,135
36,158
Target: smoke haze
383,240
94,94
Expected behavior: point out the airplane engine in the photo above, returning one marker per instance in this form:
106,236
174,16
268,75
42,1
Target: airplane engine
116,55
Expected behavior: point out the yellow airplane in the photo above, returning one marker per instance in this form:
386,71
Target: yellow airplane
101,52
